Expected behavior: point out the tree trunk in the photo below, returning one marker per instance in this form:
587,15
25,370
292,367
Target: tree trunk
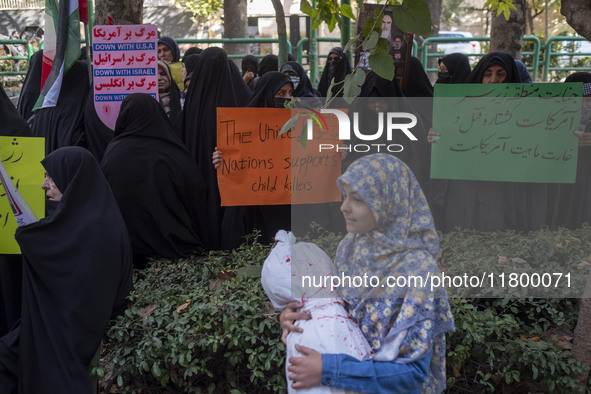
582,340
236,26
435,9
507,35
281,31
578,14
122,12
529,19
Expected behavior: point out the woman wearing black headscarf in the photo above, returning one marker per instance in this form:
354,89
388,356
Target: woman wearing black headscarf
13,124
301,82
417,83
453,68
266,94
63,125
160,192
250,67
268,63
168,92
168,50
337,68
379,95
495,67
571,203
76,276
273,89
216,83
189,65
490,205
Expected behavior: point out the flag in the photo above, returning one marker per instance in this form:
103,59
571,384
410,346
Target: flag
22,212
83,10
61,48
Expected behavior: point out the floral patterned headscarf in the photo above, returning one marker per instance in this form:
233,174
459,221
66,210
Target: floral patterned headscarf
407,322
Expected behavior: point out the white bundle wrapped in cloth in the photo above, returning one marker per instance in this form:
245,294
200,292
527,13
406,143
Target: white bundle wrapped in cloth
330,330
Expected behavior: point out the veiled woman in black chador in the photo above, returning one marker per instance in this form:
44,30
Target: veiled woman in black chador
156,183
453,68
216,82
337,67
76,276
63,124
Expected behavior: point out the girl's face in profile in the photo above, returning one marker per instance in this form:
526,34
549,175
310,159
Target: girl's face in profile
358,216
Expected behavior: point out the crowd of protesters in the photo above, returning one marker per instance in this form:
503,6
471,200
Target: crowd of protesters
152,177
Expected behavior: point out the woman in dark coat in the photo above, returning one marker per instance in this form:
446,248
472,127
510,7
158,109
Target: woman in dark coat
156,183
337,67
76,276
216,82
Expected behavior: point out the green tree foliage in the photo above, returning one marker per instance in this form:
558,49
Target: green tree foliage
206,9
500,7
452,11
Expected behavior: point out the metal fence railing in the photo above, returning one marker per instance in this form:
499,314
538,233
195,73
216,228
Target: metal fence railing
533,68
546,58
26,4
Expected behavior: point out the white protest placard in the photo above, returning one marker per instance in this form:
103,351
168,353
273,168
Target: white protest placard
125,61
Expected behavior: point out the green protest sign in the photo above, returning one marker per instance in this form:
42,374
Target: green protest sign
506,132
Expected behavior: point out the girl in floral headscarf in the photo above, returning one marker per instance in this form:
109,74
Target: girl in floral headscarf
390,235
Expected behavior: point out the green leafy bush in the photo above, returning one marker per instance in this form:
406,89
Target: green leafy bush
204,324
198,325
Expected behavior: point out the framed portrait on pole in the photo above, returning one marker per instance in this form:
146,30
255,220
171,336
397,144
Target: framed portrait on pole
400,42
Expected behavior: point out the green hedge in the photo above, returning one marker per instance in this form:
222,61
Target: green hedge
204,324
